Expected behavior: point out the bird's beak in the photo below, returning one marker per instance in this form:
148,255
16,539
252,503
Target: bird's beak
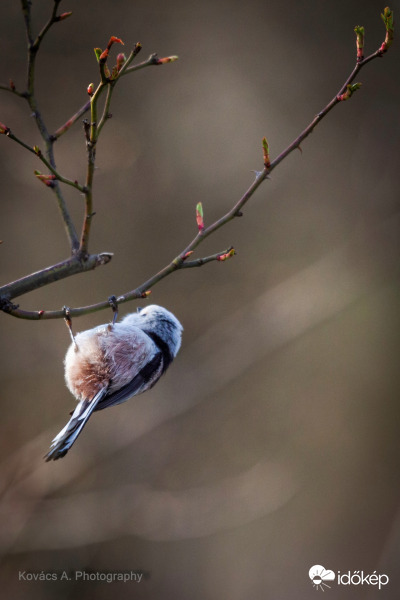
139,308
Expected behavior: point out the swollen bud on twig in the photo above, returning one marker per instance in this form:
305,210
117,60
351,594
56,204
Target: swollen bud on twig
63,16
146,294
4,129
121,58
199,216
387,18
46,179
359,31
90,89
222,257
350,89
267,162
12,85
166,59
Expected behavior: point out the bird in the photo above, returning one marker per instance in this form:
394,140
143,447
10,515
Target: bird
110,363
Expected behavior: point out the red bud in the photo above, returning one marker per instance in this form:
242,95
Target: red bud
199,216
63,16
114,40
229,254
166,59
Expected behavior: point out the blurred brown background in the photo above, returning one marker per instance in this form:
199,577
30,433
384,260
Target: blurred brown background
272,443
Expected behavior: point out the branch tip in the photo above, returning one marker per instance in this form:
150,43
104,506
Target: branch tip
359,31
48,180
267,162
103,258
228,254
166,59
200,217
63,16
388,20
4,129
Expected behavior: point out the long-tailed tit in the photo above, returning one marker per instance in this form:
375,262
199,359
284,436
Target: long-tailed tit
111,363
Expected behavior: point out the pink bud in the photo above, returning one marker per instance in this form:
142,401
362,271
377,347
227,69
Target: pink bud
166,59
4,129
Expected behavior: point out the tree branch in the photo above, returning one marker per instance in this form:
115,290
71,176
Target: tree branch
61,130
84,261
33,47
35,150
61,270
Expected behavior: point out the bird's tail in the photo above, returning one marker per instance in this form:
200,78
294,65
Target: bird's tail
67,436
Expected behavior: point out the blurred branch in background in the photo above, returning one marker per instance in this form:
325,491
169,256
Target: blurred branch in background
274,319
80,259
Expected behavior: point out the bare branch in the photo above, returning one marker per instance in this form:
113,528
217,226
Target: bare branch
11,88
33,47
61,130
35,150
61,270
84,261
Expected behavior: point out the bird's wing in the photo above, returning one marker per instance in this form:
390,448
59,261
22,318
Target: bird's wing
144,380
67,436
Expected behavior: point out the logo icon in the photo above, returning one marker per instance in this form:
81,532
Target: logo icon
319,575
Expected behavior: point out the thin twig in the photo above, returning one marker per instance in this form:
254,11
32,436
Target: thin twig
152,60
106,110
33,47
61,130
35,150
12,90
